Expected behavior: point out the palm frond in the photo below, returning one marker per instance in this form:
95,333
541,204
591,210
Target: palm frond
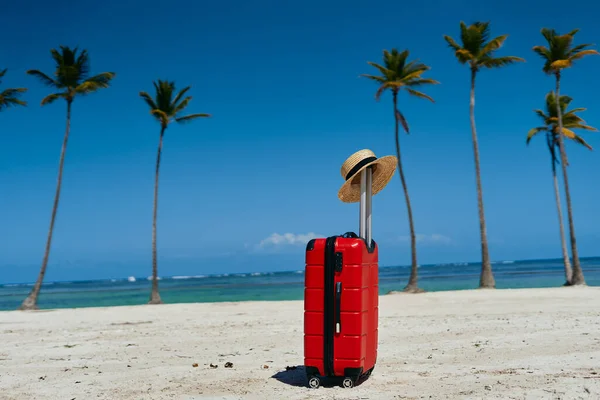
383,88
463,56
384,71
45,79
560,64
541,114
71,75
561,53
534,131
191,117
422,81
576,110
573,32
166,108
102,80
10,97
583,53
374,78
410,75
419,94
177,108
51,98
402,120
567,133
95,83
494,44
543,52
452,43
180,96
6,102
571,120
583,126
581,141
548,34
148,100
477,48
489,62
161,116
12,92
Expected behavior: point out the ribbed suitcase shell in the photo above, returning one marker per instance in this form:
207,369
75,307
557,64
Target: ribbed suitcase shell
355,346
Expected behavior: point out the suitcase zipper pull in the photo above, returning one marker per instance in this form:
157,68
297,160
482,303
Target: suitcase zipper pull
338,302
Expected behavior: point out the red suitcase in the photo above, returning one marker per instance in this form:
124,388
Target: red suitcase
340,309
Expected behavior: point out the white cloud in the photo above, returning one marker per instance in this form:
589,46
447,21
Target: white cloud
288,239
434,238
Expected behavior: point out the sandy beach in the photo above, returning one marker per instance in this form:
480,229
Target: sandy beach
517,344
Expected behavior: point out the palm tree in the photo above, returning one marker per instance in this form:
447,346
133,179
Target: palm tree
10,97
550,125
71,79
560,54
477,51
166,109
398,74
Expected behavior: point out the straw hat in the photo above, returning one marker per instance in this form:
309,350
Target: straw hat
383,169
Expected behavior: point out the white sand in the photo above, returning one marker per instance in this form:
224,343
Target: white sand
509,344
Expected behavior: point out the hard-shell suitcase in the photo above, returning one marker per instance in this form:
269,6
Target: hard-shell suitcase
341,302
340,309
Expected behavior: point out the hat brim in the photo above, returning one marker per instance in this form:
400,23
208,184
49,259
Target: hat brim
383,170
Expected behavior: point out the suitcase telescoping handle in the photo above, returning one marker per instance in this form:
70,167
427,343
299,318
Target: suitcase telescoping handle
366,190
338,304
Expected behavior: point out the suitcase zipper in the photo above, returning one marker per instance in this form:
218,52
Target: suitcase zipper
328,306
338,307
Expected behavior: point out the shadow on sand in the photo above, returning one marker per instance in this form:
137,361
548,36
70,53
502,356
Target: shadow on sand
293,376
296,376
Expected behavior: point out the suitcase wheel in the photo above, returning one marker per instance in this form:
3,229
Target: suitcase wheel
314,382
347,383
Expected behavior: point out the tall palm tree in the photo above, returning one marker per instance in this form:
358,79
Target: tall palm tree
10,97
570,121
561,54
166,108
398,74
477,51
71,79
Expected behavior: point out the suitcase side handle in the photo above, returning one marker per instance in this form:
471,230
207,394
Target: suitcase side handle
338,303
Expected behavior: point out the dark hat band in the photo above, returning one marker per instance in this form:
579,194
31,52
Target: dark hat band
358,166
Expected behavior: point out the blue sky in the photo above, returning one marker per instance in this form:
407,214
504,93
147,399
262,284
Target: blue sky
281,80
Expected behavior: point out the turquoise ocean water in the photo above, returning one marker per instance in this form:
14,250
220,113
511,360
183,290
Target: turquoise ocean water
284,285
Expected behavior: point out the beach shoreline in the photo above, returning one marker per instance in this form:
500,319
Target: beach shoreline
283,285
509,343
254,302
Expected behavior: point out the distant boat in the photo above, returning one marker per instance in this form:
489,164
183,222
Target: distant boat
131,279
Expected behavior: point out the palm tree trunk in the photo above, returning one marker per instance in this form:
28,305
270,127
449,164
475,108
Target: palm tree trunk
563,240
412,281
577,278
486,279
30,302
154,296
